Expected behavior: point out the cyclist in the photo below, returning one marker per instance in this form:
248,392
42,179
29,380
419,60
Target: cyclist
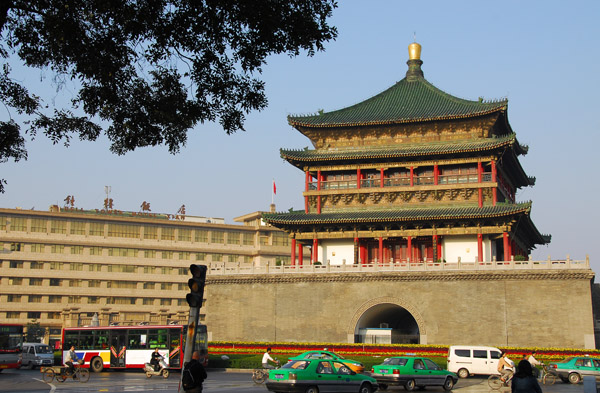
70,359
505,368
534,363
266,358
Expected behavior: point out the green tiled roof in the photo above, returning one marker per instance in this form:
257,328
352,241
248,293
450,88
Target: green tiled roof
397,215
410,100
400,151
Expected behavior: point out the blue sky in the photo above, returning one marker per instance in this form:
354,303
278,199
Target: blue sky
542,55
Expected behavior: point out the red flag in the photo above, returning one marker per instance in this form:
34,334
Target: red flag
274,188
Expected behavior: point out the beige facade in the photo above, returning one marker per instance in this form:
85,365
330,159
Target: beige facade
63,266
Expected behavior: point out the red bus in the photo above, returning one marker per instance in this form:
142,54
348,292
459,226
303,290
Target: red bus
119,347
11,342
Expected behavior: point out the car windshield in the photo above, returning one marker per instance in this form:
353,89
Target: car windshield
338,355
296,364
567,360
395,361
43,349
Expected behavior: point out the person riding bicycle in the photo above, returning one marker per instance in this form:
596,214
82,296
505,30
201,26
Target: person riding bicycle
69,360
266,358
155,360
534,363
505,367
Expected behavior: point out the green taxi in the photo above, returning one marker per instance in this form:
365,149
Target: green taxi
412,372
355,366
574,369
318,376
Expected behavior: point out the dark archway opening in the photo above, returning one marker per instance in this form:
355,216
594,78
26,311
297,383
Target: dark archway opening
387,324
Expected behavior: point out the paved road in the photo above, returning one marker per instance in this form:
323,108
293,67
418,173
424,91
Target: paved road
30,381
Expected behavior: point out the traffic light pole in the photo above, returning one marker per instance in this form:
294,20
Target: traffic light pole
190,341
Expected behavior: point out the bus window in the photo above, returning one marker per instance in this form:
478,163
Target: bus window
137,338
101,339
71,339
86,340
157,338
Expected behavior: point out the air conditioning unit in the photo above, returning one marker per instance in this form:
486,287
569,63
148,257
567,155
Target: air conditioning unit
384,325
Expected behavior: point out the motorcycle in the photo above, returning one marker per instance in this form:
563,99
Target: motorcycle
150,371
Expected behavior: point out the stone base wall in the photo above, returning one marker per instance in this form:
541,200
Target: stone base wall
500,308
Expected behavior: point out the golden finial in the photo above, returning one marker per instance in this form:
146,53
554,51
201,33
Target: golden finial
414,51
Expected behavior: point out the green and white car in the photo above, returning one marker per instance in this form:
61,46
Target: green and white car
318,376
355,366
412,372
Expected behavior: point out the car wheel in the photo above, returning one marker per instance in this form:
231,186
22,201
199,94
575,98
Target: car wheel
312,389
462,373
410,385
448,384
383,386
97,364
366,388
574,378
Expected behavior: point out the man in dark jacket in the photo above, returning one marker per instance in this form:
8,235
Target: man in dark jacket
198,373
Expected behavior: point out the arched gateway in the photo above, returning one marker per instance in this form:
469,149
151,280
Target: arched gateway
387,320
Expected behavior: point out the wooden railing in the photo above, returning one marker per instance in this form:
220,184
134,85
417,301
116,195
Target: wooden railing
224,269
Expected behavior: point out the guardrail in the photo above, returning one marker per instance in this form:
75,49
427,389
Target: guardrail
226,269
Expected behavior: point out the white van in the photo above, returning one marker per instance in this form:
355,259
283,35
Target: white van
465,360
36,354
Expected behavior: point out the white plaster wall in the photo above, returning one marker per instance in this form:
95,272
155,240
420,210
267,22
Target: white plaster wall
464,247
336,251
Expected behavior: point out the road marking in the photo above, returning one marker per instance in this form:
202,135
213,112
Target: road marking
52,387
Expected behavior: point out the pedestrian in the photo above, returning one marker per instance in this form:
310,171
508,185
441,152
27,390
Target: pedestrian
193,375
524,381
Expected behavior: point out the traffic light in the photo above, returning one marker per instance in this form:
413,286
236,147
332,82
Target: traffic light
196,284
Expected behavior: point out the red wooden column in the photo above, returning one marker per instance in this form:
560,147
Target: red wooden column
315,251
293,252
434,242
494,179
439,248
306,182
412,176
381,175
319,189
435,175
409,248
479,247
300,256
363,253
506,242
380,253
479,178
358,178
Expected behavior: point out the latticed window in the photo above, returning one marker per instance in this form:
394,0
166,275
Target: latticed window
16,264
13,314
164,270
3,221
58,226
201,236
184,235
232,258
248,239
77,266
149,269
17,247
74,283
94,284
95,267
167,255
18,224
77,228
76,249
167,234
13,298
182,286
36,265
37,247
39,225
264,238
166,286
54,299
217,257
122,252
95,250
35,282
184,256
56,265
74,299
233,237
217,237
149,254
96,229
122,268
57,249
200,256
15,281
123,230
180,270
281,239
149,285
150,232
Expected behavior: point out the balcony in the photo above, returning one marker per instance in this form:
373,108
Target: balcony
400,181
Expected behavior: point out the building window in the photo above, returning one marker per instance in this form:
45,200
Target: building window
35,282
77,228
122,268
3,221
200,256
248,239
74,283
57,249
247,259
150,233
58,226
93,299
55,282
96,229
149,253
181,302
123,230
74,299
264,239
281,239
18,224
217,237
77,266
167,255
13,315
54,299
232,258
149,269
35,298
233,237
37,247
95,250
16,264
217,257
182,271
164,270
15,281
166,286
184,256
184,235
95,267
120,300
182,286
56,265
94,284
13,298
39,225
17,247
124,284
165,302
53,315
122,252
201,236
148,302
77,250
149,285
167,234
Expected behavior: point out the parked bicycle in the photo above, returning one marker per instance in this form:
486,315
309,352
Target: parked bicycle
61,374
